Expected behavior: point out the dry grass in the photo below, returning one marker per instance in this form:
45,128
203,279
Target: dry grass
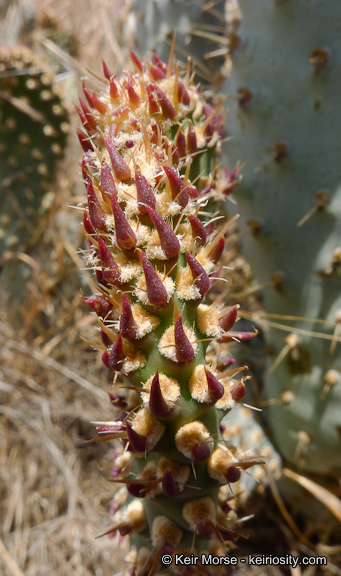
53,498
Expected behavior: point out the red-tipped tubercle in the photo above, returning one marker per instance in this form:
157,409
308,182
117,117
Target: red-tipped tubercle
156,73
83,119
136,440
183,95
201,452
153,105
183,348
89,115
181,144
192,145
198,229
217,250
168,240
134,98
107,182
106,71
157,404
100,106
127,322
113,90
125,236
116,355
137,63
111,272
84,141
238,392
96,213
228,320
159,62
120,167
87,94
216,389
200,277
157,294
99,304
178,189
167,107
145,194
105,359
89,229
169,486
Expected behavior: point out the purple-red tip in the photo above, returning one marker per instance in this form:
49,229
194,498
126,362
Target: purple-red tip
169,486
168,239
216,388
183,348
116,355
157,293
127,322
136,440
157,404
200,277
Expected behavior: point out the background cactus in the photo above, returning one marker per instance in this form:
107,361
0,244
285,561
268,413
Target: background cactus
201,33
150,146
33,130
283,91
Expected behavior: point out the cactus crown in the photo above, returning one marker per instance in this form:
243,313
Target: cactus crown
150,145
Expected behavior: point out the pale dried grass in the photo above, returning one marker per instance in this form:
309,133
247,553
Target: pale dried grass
53,499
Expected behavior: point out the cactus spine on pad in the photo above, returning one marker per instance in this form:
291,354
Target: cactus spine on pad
286,75
150,146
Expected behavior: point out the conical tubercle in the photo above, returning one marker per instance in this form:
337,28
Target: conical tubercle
157,293
125,236
111,270
183,348
168,239
200,277
145,194
157,404
128,327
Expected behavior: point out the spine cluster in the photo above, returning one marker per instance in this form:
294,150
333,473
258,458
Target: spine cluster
150,145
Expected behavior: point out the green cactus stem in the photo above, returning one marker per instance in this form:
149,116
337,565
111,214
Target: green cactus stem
150,147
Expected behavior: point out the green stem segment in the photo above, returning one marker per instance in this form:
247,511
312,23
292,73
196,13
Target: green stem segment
154,261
